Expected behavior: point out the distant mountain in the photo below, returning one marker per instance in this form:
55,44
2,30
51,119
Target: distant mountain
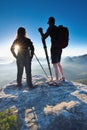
75,68
68,59
76,59
80,59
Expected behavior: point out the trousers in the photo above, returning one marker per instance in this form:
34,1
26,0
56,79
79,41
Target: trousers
24,60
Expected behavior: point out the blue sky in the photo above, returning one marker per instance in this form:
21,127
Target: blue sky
33,14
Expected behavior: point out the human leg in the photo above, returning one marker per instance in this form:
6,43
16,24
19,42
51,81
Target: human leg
20,67
55,65
61,72
28,72
60,69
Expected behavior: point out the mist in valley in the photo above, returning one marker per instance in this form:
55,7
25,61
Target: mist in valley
75,68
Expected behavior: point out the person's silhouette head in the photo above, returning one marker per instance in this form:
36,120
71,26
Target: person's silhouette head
51,20
21,32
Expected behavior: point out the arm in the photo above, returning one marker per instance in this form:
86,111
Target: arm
13,50
44,36
31,49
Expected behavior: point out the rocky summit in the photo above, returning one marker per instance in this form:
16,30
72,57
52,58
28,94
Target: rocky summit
47,107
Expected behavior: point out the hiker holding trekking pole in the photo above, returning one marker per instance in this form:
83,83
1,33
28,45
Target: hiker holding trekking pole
55,52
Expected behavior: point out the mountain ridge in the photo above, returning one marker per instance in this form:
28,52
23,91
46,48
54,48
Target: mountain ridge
76,59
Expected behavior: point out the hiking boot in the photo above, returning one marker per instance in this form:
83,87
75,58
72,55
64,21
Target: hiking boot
62,79
19,86
30,86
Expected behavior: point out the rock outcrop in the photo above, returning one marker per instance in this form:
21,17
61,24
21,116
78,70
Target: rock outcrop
47,107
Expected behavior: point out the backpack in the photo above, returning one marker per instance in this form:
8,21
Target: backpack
62,37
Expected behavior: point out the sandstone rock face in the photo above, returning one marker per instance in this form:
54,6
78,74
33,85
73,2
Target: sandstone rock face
47,107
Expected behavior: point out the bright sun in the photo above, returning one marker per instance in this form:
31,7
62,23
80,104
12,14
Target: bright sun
17,49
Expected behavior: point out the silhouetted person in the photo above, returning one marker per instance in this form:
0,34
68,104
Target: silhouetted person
55,52
23,57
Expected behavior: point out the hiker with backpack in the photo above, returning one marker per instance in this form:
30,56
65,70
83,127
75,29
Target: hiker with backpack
23,57
56,51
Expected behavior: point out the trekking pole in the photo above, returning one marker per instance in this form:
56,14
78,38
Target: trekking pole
41,65
45,49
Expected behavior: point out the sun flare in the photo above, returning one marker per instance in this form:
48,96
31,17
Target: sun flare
16,48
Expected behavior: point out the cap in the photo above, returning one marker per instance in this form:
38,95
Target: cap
51,20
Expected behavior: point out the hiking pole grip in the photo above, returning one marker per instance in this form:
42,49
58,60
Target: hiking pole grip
43,40
40,30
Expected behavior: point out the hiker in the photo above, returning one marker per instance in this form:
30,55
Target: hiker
23,56
55,52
